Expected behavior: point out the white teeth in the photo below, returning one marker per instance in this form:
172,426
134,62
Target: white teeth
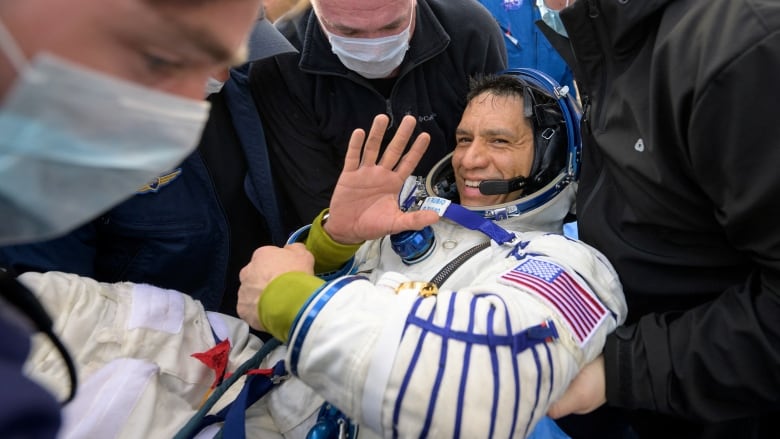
471,183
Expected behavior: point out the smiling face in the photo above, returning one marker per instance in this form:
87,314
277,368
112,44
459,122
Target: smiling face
493,141
170,45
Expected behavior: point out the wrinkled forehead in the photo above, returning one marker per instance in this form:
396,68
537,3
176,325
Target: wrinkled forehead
363,15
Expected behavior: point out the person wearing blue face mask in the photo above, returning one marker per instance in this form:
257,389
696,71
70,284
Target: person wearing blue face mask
105,98
358,58
176,231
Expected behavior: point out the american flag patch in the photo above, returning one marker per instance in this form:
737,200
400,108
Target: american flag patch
581,311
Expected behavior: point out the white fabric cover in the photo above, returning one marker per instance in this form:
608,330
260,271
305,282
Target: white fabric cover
132,345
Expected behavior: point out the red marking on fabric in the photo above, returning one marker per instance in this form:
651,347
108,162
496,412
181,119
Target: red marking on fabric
216,359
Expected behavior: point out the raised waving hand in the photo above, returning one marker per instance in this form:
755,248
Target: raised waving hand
364,204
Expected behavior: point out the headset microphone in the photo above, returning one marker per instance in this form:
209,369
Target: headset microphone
497,187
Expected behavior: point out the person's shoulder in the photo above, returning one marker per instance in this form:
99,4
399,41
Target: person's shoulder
757,17
293,27
740,25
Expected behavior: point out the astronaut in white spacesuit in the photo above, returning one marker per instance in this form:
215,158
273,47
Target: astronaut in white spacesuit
468,326
463,328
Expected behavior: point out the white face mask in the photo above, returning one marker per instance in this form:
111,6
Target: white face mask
371,57
75,142
551,17
213,85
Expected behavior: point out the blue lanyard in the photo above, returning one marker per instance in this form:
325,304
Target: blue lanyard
467,218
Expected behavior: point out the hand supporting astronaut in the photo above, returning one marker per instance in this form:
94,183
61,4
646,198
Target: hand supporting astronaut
364,204
267,263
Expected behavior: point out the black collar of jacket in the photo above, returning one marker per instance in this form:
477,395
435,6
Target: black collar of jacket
428,40
599,28
626,19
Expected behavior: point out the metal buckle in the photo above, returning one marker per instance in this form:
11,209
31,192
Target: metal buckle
424,289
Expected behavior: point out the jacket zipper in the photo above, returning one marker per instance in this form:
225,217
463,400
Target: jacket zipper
439,278
595,16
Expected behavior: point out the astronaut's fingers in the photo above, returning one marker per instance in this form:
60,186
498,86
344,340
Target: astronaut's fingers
414,220
352,158
374,140
398,144
410,160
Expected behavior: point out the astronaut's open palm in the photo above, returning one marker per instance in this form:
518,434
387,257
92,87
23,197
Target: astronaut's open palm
364,204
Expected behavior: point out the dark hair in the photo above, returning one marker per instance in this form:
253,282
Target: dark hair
499,85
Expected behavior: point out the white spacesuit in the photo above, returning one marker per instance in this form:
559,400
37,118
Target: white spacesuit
133,347
464,329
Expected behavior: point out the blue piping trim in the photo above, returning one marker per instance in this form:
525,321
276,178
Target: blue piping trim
405,381
312,308
349,267
552,375
299,235
515,372
496,380
465,375
538,389
519,342
440,371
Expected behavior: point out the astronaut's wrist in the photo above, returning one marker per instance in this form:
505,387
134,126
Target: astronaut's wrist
334,235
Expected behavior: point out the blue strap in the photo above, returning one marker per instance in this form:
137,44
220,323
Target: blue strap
256,387
234,414
473,221
200,419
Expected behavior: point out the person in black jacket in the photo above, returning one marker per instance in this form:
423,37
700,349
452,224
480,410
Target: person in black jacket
359,58
680,190
98,97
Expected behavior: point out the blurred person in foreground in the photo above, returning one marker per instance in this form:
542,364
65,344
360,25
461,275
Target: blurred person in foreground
194,225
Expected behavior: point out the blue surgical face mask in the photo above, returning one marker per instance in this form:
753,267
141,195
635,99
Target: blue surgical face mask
371,57
551,17
74,142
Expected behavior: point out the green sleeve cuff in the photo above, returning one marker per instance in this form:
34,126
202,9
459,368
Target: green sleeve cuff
329,255
282,299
